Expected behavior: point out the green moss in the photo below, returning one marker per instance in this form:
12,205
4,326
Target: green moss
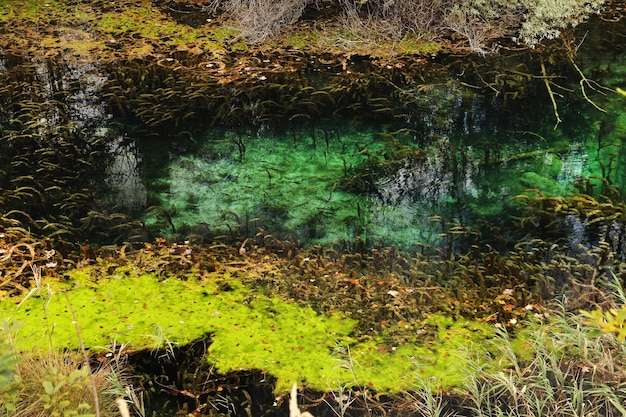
223,33
289,341
442,358
11,9
141,26
417,46
148,22
247,330
299,41
386,368
239,46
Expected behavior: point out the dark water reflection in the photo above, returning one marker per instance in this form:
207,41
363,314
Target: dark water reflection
428,156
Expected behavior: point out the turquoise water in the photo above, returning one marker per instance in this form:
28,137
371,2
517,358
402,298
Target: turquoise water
384,183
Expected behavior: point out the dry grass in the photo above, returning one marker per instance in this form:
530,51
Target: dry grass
58,383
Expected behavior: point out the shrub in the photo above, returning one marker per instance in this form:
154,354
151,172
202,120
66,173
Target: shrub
478,21
258,20
557,367
545,19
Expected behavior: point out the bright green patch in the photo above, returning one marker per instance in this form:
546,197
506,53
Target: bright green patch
247,330
301,38
544,184
223,33
417,46
12,9
147,22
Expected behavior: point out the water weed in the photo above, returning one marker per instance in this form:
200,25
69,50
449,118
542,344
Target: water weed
345,387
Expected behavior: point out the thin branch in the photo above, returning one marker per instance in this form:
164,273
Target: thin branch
94,388
584,81
546,81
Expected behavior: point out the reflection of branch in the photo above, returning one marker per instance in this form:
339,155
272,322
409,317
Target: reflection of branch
546,81
584,81
488,84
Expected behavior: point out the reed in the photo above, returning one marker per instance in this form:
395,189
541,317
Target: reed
565,371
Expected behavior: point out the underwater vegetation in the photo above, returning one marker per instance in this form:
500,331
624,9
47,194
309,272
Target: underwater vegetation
243,330
186,102
231,223
591,218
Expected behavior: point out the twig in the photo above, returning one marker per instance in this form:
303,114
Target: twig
94,388
294,411
546,81
583,79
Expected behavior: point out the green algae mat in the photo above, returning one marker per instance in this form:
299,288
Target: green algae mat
245,329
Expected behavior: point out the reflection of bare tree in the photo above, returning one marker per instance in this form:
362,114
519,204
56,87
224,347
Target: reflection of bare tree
431,178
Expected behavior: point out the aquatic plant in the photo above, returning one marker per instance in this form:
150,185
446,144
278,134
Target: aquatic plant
378,302
390,293
232,328
49,148
581,219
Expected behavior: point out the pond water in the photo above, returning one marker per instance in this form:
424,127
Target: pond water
322,155
404,166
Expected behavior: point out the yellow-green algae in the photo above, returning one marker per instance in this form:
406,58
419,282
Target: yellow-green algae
247,330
